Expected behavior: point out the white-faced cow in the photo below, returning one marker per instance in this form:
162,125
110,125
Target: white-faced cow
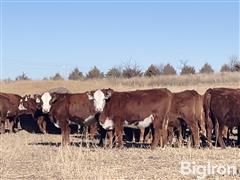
139,108
79,108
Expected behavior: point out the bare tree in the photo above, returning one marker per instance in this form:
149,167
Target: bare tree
234,63
131,70
75,74
23,76
114,72
94,73
187,69
152,70
207,68
56,77
168,69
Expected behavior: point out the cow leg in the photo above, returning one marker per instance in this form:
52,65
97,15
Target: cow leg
226,134
156,136
164,136
142,131
2,125
149,135
110,138
160,125
209,131
119,133
216,129
85,132
164,130
195,134
41,124
44,126
14,124
65,134
170,135
220,138
180,137
238,135
8,125
93,130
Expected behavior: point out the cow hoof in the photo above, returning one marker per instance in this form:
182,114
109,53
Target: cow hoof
153,147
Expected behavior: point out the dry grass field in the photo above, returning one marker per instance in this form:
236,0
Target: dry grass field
32,156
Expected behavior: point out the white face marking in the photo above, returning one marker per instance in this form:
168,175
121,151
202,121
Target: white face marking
146,122
99,100
108,124
46,97
21,107
26,99
38,100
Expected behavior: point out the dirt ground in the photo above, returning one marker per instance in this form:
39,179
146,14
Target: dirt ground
38,156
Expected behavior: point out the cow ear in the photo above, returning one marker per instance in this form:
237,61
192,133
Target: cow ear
109,94
54,99
35,96
90,97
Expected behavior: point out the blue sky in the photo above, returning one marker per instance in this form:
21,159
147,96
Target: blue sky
41,38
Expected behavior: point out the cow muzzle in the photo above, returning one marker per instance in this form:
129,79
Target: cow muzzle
45,111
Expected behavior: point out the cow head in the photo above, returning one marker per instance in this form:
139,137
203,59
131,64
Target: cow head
99,98
22,103
45,102
27,104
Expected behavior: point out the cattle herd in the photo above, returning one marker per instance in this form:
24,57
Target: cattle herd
161,115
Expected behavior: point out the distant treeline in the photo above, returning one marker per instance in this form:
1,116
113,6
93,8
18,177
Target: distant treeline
130,70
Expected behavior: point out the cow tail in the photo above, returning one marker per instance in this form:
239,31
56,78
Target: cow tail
206,104
165,122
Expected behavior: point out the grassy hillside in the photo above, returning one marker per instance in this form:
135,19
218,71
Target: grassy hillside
199,82
31,156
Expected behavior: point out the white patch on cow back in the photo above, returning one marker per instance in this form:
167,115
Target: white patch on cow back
56,124
146,122
140,124
89,120
21,107
99,100
108,124
46,97
72,122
